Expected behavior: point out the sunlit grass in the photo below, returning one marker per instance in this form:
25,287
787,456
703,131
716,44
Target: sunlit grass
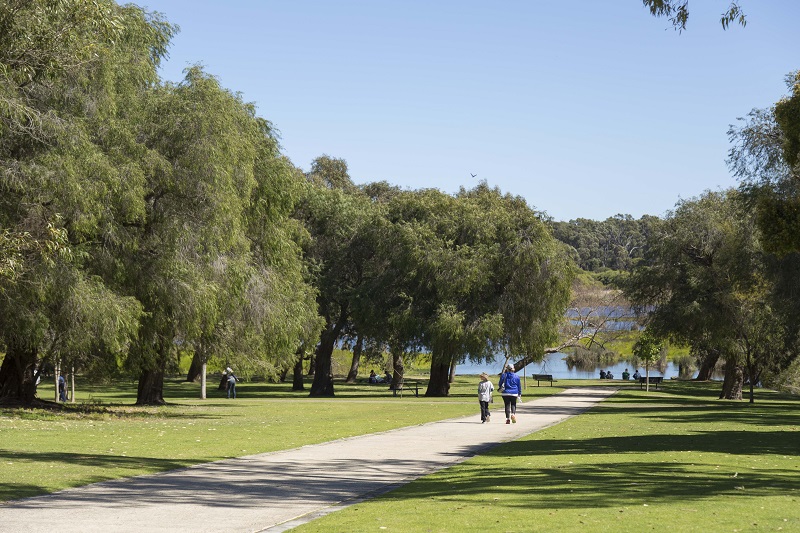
104,436
672,460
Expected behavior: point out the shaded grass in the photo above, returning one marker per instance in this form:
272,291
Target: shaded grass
104,436
673,460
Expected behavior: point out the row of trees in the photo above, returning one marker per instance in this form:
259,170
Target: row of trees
136,215
463,276
139,218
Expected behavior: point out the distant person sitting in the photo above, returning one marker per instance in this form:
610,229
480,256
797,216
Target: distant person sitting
387,378
373,377
609,375
636,374
626,375
602,374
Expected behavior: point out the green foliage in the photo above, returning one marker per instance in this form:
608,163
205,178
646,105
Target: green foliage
616,243
647,348
677,12
787,115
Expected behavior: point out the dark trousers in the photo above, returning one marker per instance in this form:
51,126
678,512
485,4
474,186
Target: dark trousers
484,410
510,405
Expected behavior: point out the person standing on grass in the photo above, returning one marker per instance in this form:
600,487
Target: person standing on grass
231,383
510,389
485,389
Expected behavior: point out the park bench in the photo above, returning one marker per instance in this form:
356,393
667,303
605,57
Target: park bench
655,380
543,377
406,385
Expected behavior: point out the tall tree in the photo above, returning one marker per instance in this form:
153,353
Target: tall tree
337,216
68,72
705,280
483,275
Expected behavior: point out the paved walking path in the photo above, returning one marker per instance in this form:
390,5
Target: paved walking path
276,491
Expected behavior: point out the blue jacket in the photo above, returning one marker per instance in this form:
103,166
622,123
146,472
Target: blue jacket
510,381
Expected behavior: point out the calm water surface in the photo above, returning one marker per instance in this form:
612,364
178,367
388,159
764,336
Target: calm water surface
554,364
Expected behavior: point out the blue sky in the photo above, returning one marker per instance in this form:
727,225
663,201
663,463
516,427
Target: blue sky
585,108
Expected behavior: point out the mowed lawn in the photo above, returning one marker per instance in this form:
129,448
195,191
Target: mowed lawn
676,459
103,436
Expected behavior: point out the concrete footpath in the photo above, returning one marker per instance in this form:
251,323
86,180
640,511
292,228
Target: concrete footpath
276,491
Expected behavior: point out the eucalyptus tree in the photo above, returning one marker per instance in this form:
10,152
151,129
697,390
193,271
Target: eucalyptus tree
764,157
337,217
187,257
484,275
69,70
706,279
281,303
383,310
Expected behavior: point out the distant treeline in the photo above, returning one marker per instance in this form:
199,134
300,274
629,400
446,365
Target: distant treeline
616,243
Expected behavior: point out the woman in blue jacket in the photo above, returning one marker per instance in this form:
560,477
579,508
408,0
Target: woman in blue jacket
510,390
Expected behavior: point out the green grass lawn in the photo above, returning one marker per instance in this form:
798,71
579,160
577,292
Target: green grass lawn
676,459
103,436
672,460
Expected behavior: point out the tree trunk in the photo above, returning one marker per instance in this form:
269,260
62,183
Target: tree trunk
452,375
203,381
196,368
57,385
72,387
297,378
17,375
323,360
353,374
752,375
734,382
312,364
323,367
525,361
398,367
440,373
151,380
707,364
151,388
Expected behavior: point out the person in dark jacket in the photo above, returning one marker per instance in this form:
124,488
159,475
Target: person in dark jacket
62,388
510,389
231,383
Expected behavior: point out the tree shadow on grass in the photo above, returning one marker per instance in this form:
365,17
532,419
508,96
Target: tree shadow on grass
602,484
765,414
9,491
598,486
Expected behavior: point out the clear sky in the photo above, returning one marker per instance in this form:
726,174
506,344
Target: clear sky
585,108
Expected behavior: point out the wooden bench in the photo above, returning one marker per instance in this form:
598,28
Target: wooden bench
543,377
655,380
406,385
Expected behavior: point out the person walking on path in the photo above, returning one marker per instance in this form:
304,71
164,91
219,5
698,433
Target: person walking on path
510,389
485,389
231,383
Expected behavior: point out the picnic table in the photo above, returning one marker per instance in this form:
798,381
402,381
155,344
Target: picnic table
406,385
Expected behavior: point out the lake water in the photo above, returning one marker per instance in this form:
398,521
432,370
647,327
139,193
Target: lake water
554,364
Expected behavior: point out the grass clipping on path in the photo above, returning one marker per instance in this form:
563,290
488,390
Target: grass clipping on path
673,460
